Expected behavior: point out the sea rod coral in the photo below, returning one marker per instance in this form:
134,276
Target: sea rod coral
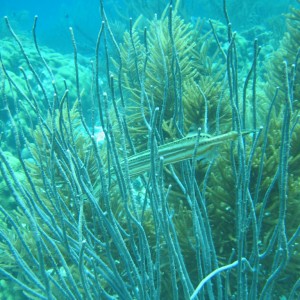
132,215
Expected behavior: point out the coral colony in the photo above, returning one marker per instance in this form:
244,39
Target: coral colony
168,168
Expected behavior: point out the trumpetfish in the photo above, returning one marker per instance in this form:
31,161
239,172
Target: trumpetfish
179,150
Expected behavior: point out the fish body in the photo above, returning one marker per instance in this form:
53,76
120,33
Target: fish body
178,150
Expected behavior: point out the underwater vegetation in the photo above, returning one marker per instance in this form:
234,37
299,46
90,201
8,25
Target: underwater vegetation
113,183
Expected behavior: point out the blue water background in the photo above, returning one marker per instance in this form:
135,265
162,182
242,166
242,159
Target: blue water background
55,17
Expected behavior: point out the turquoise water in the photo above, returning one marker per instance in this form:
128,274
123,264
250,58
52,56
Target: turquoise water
56,16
